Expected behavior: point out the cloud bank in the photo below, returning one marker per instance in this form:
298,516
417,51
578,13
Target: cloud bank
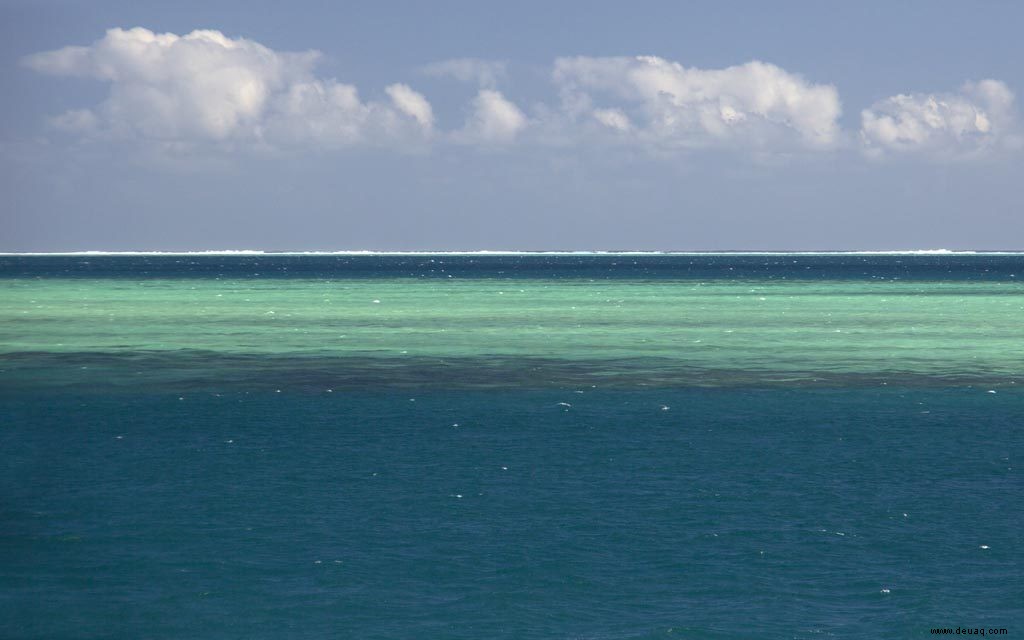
206,87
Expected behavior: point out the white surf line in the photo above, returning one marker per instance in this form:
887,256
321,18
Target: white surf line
489,252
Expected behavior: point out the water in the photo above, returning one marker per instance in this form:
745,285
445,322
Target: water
510,446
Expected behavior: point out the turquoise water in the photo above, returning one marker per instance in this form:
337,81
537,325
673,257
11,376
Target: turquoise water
510,446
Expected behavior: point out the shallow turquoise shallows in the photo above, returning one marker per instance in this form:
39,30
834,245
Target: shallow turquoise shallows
511,446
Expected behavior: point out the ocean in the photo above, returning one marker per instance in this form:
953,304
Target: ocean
570,446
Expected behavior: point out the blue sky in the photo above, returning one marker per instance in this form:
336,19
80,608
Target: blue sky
444,125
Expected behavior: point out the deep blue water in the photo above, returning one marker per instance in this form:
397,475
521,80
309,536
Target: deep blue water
932,267
734,514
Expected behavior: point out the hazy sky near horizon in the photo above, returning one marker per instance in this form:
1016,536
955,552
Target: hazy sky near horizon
531,125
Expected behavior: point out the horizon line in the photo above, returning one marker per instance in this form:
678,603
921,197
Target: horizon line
481,252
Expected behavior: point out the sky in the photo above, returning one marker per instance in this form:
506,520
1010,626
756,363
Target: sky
385,125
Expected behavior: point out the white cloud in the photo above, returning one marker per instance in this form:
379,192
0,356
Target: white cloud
613,118
315,112
412,104
205,86
494,119
751,105
977,118
485,73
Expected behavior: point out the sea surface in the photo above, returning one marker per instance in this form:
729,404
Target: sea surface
567,446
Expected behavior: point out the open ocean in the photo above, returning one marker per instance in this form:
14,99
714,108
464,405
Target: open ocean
609,446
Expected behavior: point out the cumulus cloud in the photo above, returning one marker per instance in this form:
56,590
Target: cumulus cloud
412,104
493,119
485,73
978,117
754,104
205,86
